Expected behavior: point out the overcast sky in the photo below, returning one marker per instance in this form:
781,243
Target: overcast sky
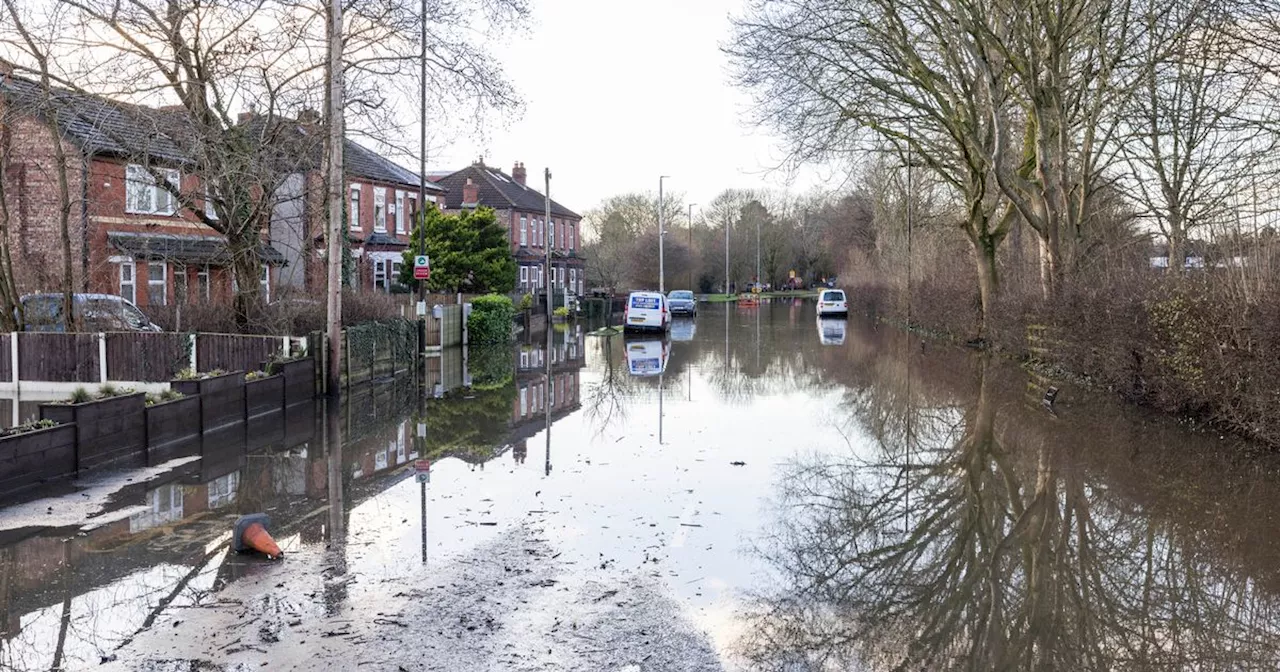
618,93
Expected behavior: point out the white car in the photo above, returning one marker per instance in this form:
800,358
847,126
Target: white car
832,302
646,311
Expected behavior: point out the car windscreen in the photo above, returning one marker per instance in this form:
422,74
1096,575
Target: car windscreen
644,302
682,295
833,296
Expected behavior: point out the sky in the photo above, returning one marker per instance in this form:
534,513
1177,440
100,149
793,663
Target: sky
619,93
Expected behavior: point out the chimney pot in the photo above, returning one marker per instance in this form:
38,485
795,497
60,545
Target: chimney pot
518,173
245,117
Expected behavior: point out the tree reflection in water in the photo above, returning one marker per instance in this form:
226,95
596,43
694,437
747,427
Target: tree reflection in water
991,549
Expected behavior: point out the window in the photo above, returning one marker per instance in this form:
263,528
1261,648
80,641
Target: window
144,196
380,275
537,235
524,277
265,283
179,284
524,230
380,210
399,213
524,401
202,283
128,286
354,222
157,283
553,276
209,211
551,229
395,272
413,211
573,279
573,232
561,227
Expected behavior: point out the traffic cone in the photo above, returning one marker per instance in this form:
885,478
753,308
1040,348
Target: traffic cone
250,534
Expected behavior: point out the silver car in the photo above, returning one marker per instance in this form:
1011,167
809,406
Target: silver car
682,302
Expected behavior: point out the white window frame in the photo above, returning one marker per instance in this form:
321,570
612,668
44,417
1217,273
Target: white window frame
553,276
355,194
202,275
395,273
524,230
209,211
163,282
400,213
524,277
573,230
132,284
573,279
380,276
265,283
158,200
524,401
379,210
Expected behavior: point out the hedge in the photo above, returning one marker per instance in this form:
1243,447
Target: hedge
491,319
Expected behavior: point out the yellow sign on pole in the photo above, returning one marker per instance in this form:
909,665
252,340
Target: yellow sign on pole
793,274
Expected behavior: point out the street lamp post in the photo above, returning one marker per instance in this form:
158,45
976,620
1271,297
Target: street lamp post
726,254
691,246
662,233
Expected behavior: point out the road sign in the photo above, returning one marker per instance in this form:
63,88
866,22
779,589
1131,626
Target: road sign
793,274
421,260
421,267
423,470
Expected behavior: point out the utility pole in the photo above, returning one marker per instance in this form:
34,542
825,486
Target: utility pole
337,196
691,246
422,159
757,252
662,233
726,254
547,247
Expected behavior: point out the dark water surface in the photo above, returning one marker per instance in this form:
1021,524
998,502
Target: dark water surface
760,490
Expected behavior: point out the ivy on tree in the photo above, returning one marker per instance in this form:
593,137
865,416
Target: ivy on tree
469,252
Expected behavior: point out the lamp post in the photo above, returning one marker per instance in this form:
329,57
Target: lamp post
726,255
662,233
691,246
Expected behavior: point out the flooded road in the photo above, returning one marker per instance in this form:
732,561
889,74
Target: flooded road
759,491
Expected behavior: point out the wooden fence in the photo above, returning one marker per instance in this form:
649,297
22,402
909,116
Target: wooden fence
130,356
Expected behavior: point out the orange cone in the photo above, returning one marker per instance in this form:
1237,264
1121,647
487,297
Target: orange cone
250,534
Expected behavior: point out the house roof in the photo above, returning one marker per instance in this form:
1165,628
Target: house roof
363,162
102,126
189,249
498,190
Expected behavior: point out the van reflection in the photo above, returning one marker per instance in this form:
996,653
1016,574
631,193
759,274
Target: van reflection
647,357
831,330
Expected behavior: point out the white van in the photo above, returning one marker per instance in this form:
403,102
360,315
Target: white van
646,311
832,302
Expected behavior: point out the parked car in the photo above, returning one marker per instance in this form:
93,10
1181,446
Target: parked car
832,302
647,358
94,312
682,302
646,311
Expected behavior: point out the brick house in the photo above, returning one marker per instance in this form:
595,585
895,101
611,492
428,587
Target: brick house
523,210
381,204
129,236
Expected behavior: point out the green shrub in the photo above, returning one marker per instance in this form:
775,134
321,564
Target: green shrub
491,318
80,396
526,302
29,426
255,375
562,311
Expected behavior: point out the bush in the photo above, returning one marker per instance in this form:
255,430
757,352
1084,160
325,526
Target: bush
562,311
491,319
526,302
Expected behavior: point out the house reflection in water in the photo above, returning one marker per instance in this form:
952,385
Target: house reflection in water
69,596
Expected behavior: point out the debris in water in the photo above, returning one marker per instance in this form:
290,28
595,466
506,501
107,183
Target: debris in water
738,463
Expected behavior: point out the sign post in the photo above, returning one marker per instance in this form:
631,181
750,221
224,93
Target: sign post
423,470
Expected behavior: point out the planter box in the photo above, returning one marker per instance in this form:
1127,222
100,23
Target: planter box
109,432
173,430
221,398
263,396
37,457
299,380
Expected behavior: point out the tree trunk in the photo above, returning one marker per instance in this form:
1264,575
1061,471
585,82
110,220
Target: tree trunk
10,307
247,268
984,256
64,220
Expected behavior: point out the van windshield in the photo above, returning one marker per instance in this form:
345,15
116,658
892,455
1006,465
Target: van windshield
833,296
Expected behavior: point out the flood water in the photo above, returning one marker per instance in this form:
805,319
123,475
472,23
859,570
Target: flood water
761,490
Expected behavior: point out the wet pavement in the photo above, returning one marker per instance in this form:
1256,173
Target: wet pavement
759,491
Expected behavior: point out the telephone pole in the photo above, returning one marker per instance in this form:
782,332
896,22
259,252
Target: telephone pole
337,197
691,246
662,233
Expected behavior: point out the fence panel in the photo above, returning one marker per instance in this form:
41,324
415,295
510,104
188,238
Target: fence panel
57,357
147,357
234,352
6,358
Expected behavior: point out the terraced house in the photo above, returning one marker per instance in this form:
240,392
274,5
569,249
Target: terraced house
131,235
523,209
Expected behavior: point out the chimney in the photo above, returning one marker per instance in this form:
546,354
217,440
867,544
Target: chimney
518,173
470,194
245,117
